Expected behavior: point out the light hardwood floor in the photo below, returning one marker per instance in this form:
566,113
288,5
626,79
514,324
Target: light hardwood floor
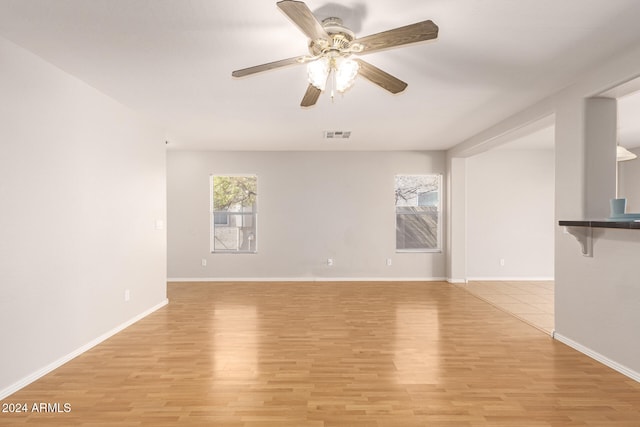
331,354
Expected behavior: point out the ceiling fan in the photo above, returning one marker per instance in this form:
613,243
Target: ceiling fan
331,46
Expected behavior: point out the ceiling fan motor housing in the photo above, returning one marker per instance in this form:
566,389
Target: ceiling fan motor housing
340,38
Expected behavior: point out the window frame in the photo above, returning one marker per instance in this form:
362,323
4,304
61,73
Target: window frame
438,248
212,214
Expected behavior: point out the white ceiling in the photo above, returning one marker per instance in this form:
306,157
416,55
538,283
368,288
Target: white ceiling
172,60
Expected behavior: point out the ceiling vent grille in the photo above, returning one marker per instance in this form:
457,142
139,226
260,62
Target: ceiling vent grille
337,134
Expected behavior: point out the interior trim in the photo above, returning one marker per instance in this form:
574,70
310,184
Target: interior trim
307,279
77,352
597,356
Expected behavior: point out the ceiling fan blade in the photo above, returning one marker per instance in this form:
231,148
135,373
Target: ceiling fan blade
425,30
268,66
311,96
381,78
301,15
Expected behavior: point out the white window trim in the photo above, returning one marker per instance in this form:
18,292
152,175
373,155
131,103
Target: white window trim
212,212
439,228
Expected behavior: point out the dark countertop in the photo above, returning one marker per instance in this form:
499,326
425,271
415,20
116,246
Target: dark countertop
630,225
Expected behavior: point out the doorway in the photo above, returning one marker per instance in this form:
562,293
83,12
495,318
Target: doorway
510,223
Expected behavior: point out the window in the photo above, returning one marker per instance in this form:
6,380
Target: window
234,213
418,225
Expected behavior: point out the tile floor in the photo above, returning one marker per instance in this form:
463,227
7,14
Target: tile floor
530,301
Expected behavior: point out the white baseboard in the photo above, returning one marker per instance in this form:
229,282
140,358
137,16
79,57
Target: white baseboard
511,279
64,359
457,281
599,357
306,279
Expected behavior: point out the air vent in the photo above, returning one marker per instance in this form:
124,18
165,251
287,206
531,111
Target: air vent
337,134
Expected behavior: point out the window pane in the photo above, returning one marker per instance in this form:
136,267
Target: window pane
234,193
417,190
239,235
417,229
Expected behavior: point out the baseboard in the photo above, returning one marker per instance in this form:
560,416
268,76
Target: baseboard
511,279
64,359
457,281
306,279
599,357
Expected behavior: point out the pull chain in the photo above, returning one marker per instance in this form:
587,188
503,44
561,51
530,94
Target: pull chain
333,84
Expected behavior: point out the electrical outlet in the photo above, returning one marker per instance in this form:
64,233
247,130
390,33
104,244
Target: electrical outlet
389,262
330,262
501,262
127,295
204,262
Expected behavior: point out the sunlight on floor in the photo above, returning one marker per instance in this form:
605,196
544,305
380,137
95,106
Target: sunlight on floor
531,301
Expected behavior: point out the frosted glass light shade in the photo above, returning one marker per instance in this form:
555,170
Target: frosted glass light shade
318,72
622,154
346,72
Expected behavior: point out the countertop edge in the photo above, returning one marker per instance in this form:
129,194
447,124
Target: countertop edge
630,225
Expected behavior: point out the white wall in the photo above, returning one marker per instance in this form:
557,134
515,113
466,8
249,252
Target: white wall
312,206
82,182
629,182
597,300
456,184
510,214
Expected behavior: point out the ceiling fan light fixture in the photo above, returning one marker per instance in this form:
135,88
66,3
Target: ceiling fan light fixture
622,154
346,71
318,72
331,44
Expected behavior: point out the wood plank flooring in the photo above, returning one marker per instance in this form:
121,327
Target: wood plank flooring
331,354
